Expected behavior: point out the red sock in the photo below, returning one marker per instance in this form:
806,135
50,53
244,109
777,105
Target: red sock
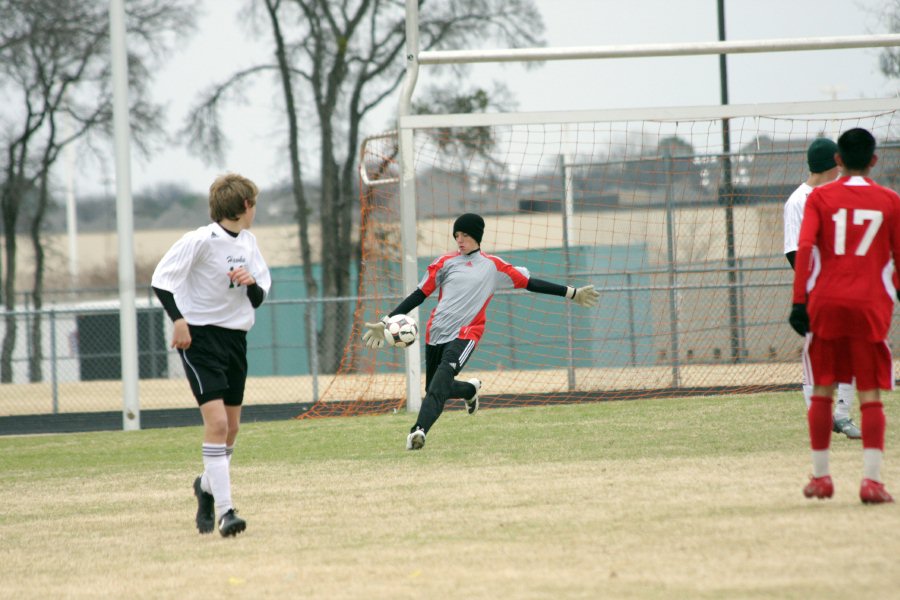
873,425
819,418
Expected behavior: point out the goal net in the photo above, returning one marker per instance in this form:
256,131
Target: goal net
683,240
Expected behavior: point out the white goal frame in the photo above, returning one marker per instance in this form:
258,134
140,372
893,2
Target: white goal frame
408,123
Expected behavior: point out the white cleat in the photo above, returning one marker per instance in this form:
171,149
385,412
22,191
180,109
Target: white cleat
472,403
415,440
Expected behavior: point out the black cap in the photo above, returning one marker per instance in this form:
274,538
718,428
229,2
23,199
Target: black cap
471,224
820,155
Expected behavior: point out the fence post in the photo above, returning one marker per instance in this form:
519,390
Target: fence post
673,275
632,337
568,212
54,363
313,350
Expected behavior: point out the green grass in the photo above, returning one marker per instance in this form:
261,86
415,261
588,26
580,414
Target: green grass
693,497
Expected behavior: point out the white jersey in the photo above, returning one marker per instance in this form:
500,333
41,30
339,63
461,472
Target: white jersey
793,216
195,270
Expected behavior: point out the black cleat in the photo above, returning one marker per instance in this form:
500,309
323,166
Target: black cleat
206,516
230,524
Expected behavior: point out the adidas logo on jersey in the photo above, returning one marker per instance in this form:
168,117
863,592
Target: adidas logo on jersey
213,235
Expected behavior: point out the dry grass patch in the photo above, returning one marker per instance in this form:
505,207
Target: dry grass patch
691,498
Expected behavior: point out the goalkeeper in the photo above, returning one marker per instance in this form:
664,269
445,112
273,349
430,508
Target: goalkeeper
465,281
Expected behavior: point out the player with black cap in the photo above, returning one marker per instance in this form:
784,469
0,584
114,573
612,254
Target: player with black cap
466,281
822,169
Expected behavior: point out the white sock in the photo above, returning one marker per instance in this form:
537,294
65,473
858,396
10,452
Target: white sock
204,481
807,395
872,458
844,402
229,450
820,463
216,464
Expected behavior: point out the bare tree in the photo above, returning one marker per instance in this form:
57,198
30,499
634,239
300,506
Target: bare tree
890,57
54,63
347,58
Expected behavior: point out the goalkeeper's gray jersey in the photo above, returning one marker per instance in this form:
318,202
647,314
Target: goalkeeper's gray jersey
465,284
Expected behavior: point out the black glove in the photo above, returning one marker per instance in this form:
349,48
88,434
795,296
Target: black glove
799,319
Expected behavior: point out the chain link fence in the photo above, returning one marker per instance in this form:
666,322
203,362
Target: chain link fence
67,359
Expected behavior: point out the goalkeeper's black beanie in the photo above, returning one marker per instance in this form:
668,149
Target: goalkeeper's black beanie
471,224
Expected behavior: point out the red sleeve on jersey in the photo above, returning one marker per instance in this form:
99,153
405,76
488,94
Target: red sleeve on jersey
809,231
519,280
430,283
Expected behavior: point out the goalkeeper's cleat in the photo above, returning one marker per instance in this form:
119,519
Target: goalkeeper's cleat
819,487
230,524
847,427
873,492
472,403
415,440
206,509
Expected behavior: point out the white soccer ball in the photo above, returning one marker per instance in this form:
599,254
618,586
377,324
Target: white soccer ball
401,331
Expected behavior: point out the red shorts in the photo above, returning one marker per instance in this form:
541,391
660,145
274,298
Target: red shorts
827,362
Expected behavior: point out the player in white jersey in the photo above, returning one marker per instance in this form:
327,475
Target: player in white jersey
466,281
822,169
210,282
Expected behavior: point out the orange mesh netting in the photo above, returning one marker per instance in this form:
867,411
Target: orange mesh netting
684,244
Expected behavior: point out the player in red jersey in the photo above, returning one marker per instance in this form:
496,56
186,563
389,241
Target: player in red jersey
849,240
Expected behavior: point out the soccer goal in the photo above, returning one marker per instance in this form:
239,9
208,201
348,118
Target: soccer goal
683,240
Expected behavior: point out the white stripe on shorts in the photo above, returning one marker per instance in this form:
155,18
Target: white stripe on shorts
187,361
464,355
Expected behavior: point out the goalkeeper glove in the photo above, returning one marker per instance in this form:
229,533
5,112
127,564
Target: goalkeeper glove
799,319
584,296
374,335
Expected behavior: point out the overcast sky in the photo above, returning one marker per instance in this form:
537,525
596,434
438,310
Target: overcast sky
221,46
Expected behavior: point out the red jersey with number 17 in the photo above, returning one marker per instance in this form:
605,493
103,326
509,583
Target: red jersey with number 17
849,236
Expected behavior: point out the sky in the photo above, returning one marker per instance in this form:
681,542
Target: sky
255,132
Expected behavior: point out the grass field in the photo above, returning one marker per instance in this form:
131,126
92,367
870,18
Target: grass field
683,498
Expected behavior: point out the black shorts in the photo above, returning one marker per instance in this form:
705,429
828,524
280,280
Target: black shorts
216,364
454,353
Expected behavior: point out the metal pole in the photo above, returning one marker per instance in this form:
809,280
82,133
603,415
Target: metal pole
568,214
673,279
71,212
131,411
443,57
632,336
273,322
728,193
54,384
408,233
313,353
742,300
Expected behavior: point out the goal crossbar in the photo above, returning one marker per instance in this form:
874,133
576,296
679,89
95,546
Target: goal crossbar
662,113
443,57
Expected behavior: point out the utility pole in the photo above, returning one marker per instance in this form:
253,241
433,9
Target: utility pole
727,194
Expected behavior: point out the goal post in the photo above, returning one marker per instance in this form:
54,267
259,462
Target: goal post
629,200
